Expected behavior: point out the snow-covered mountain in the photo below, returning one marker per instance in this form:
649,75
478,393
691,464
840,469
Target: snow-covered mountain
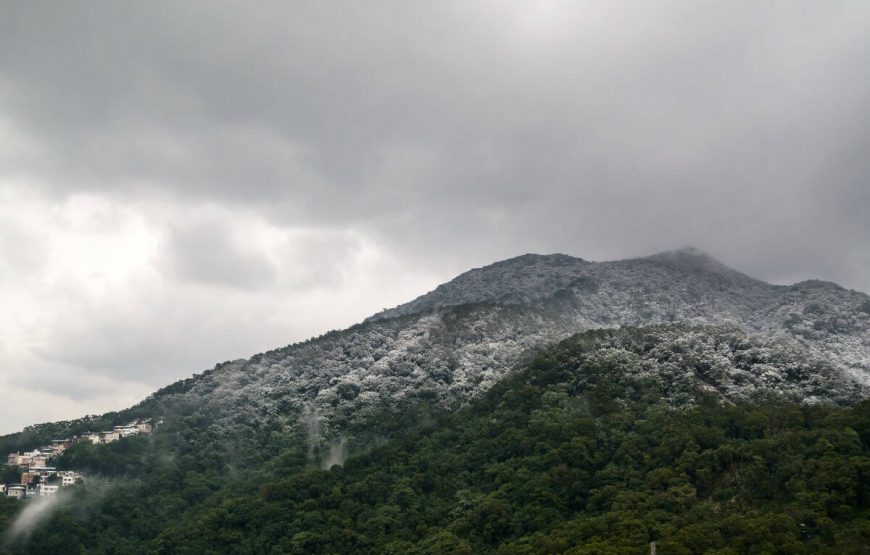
743,337
532,277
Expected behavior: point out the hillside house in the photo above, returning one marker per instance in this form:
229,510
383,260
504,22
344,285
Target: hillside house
47,489
93,437
61,445
110,436
37,471
126,431
33,458
18,459
69,477
18,492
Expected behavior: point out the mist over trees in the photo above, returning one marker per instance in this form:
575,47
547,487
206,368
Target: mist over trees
581,450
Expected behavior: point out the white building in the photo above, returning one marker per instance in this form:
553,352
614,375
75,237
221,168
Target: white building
109,437
46,489
18,492
92,437
126,431
69,477
42,470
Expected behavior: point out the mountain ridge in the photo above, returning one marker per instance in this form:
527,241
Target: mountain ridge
489,288
664,335
454,343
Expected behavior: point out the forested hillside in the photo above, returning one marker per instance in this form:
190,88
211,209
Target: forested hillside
602,444
454,343
732,419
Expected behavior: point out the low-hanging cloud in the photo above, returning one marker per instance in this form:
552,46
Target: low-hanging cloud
34,514
338,452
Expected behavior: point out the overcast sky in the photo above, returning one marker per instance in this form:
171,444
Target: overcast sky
183,183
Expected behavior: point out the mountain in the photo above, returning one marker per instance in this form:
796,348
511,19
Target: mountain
518,364
531,278
458,340
579,451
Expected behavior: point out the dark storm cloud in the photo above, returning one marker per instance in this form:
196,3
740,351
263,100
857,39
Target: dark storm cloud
443,114
443,134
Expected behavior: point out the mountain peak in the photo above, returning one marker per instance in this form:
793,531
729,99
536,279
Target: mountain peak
514,280
532,277
695,260
688,254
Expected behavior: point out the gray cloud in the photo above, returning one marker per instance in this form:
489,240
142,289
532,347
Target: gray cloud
353,153
206,252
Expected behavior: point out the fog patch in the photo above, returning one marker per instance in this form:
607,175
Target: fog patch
337,451
36,511
311,421
337,455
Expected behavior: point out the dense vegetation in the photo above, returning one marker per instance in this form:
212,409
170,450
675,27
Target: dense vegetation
570,454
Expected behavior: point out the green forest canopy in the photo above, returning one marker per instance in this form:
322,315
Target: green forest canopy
559,457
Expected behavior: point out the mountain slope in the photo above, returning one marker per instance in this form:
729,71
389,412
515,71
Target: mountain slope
532,277
459,340
577,452
603,443
664,341
682,285
456,342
